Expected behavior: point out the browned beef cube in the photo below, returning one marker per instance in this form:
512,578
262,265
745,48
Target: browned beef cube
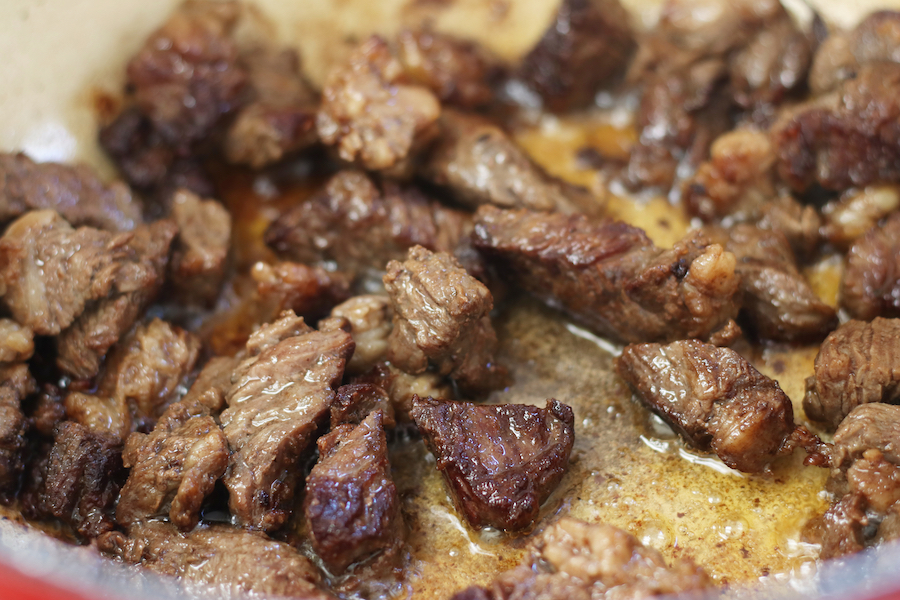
575,560
856,365
360,227
442,317
459,72
480,164
778,300
280,395
587,43
610,276
311,292
356,401
850,137
351,503
82,480
500,461
49,410
74,192
368,318
373,112
843,526
16,383
200,252
16,342
714,398
871,282
233,562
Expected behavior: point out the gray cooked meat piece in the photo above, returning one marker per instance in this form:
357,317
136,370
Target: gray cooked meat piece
587,43
281,393
370,321
858,363
609,276
360,227
575,560
480,164
16,384
501,462
442,318
311,292
714,398
870,286
16,342
200,251
74,192
233,562
374,113
351,504
141,377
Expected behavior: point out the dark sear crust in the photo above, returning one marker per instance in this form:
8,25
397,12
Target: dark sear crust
871,283
610,276
16,384
857,364
501,462
714,398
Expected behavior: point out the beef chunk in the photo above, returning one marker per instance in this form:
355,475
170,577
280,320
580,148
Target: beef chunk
351,503
281,119
500,462
843,527
369,318
480,164
587,43
74,192
840,57
175,467
714,398
778,301
402,388
373,112
82,480
280,395
799,223
232,561
356,401
200,251
459,72
359,227
580,561
871,282
137,280
442,317
308,291
610,276
856,211
850,137
16,342
16,383
856,365
142,375
49,410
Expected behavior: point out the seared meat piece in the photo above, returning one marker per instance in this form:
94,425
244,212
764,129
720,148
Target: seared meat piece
200,251
308,291
141,376
351,502
16,342
82,480
280,395
841,56
402,388
799,223
778,301
575,560
187,74
480,164
849,137
856,211
282,117
232,561
74,192
610,276
16,383
442,317
842,527
356,401
500,461
175,467
587,43
459,72
714,398
871,283
857,364
373,112
369,320
359,227
49,410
